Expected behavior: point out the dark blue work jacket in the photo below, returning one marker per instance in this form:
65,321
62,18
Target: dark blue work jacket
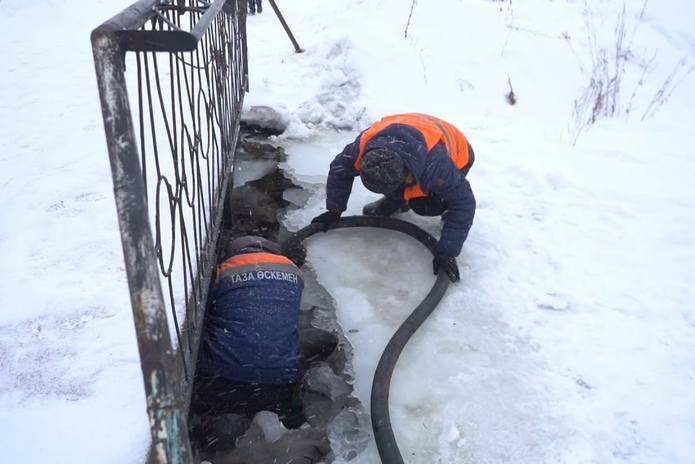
251,328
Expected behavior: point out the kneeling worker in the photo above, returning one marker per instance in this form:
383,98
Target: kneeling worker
416,161
250,357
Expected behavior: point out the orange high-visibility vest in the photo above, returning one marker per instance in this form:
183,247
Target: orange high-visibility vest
433,130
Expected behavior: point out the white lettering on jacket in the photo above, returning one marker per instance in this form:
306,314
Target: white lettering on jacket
277,275
245,277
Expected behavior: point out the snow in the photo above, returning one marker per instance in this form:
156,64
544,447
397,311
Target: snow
570,337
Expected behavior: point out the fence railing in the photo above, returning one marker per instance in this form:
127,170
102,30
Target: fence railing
171,160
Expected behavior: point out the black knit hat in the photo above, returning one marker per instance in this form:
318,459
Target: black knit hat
382,170
251,244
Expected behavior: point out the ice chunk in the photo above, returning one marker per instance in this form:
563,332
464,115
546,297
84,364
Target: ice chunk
321,379
271,426
348,432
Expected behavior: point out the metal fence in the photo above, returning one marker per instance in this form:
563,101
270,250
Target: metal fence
171,144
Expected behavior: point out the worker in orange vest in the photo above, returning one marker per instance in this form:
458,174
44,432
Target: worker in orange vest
417,162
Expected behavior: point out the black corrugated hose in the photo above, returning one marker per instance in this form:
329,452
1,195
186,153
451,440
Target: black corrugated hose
381,419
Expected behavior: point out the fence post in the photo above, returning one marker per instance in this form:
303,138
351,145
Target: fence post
287,28
191,74
164,406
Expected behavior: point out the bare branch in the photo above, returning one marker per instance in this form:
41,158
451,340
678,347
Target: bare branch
511,96
661,96
412,7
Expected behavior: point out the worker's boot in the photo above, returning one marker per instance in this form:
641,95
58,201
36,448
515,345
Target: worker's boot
385,207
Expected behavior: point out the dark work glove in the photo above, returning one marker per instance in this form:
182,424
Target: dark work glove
448,265
327,218
297,255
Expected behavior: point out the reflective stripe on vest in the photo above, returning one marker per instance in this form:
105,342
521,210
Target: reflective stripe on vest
433,131
251,259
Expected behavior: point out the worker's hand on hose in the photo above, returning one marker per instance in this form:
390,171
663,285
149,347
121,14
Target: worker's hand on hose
327,218
448,264
297,255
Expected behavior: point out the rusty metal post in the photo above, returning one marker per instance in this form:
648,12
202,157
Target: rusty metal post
170,441
145,28
284,24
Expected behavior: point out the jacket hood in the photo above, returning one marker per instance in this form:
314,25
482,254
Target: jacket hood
253,244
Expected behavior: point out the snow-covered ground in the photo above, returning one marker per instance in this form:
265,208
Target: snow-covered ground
570,337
